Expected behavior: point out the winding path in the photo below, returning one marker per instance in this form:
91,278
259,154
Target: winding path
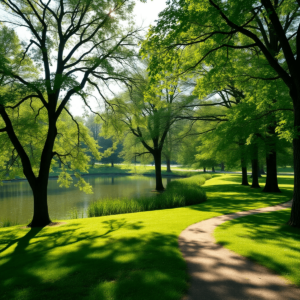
217,273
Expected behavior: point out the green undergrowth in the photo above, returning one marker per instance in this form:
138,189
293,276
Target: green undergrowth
266,239
121,257
179,193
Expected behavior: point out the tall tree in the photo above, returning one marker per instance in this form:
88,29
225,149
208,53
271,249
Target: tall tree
268,27
77,45
148,112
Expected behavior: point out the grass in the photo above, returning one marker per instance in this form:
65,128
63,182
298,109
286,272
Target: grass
267,239
287,169
129,169
137,169
8,223
126,169
131,256
179,193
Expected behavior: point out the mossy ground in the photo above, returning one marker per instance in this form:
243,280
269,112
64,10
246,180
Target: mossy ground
131,256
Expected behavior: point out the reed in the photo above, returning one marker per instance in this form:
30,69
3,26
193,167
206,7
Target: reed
179,193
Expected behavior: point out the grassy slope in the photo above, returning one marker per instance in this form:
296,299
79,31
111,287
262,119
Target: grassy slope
136,169
125,169
132,256
266,239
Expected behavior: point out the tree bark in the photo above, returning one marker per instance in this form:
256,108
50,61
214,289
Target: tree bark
255,168
244,171
40,207
244,176
295,212
168,165
243,164
204,169
213,169
112,164
158,177
271,180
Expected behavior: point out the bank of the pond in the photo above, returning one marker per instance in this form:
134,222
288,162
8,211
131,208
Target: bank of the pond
16,199
179,193
130,256
117,170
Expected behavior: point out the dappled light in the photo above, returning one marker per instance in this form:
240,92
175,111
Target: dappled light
91,263
267,239
132,256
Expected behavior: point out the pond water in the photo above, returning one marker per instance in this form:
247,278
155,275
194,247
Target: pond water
16,200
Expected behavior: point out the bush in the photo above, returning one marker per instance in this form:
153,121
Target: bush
179,193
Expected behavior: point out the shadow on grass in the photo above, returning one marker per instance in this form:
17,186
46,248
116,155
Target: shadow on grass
264,234
227,198
69,263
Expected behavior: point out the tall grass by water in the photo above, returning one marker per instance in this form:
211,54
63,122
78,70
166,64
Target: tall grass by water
8,223
179,193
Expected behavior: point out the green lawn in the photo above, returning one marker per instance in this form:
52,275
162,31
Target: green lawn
126,169
129,168
287,169
266,239
131,256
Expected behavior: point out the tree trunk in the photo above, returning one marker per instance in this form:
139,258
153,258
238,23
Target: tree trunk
213,169
258,171
168,165
204,169
222,166
243,164
262,171
271,180
112,164
158,177
295,212
244,176
40,207
255,168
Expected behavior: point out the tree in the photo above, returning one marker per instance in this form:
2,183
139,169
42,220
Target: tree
110,151
268,27
77,45
148,113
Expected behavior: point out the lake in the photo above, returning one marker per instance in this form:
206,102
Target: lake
16,200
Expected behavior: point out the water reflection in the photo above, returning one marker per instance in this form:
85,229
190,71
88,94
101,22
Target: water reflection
16,201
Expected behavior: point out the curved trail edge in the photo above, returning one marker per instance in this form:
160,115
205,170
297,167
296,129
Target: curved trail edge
217,273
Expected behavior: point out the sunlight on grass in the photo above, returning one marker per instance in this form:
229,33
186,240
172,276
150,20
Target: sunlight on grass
266,239
130,256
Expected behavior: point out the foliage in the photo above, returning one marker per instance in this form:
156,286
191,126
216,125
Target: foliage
77,48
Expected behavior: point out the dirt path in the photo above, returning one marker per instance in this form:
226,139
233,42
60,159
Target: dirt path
217,273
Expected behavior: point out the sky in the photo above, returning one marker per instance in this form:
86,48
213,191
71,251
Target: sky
146,14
